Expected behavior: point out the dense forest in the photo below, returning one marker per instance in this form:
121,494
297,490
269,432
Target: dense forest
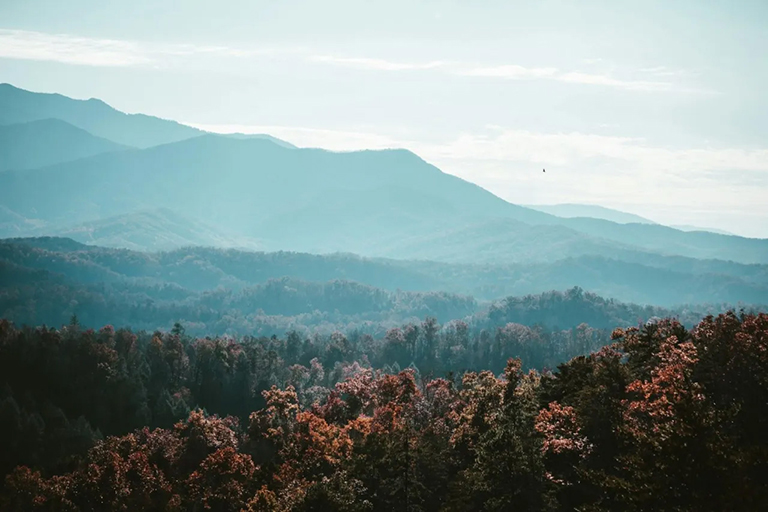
659,280
211,291
428,417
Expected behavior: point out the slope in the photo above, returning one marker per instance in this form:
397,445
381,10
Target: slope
207,269
93,116
377,203
47,142
155,229
670,241
569,210
250,186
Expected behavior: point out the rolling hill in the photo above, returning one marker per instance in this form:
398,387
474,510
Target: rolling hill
200,269
155,230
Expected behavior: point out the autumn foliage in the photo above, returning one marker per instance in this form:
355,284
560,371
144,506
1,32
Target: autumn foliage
662,419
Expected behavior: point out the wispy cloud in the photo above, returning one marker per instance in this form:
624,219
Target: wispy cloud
610,170
22,44
375,64
517,72
608,81
510,71
77,50
626,153
70,49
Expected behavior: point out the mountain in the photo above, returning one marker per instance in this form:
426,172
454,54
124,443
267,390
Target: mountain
257,188
279,142
18,106
157,229
686,227
569,210
256,191
669,241
46,280
46,142
93,116
376,203
199,269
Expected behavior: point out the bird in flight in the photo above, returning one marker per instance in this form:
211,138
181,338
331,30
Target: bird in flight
543,170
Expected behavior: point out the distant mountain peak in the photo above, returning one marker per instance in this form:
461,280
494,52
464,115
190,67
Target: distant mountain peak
92,115
571,210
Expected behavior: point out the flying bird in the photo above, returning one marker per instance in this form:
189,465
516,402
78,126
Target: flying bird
543,170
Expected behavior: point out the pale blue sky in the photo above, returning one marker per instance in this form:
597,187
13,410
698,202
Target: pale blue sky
657,108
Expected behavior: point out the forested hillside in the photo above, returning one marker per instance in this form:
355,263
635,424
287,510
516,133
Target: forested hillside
212,291
663,419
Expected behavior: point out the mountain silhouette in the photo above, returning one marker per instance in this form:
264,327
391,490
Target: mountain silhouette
569,210
378,203
46,142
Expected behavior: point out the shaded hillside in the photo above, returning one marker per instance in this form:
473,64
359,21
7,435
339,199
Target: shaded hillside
279,142
501,241
46,142
670,241
572,308
699,228
93,116
153,230
116,279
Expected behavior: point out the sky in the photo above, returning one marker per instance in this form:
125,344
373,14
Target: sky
652,107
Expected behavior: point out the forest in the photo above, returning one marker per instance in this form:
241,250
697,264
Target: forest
214,291
428,418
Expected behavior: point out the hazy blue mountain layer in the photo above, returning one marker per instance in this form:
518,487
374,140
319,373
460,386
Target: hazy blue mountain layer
378,203
570,210
661,281
46,280
46,142
257,192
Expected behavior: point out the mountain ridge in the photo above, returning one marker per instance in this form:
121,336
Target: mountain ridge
43,142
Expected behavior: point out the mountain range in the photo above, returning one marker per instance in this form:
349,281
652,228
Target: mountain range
84,170
213,291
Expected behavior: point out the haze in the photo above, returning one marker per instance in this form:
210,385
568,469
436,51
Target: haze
659,113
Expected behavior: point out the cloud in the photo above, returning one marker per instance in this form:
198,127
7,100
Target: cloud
374,64
514,72
612,171
70,49
574,148
510,71
77,50
608,81
22,44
